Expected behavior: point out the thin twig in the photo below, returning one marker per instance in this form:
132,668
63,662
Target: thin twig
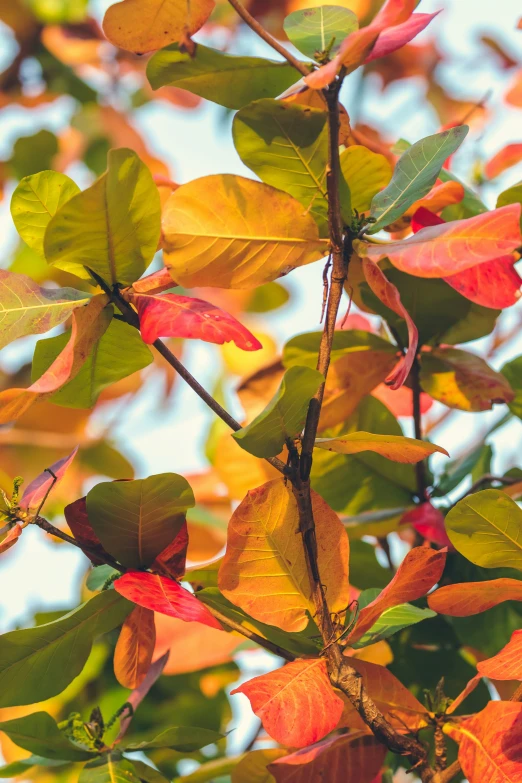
420,467
45,525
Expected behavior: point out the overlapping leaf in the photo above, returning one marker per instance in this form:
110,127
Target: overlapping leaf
366,173
469,598
394,447
39,734
313,29
185,739
135,648
248,233
296,703
264,570
76,517
109,769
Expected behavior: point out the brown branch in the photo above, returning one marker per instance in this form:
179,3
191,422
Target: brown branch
420,467
45,525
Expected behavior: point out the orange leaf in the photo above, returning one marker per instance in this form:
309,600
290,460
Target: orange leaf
264,570
400,707
418,572
135,646
393,447
354,758
463,600
509,156
389,296
10,539
514,94
438,251
88,325
296,703
507,664
490,743
439,197
192,646
154,283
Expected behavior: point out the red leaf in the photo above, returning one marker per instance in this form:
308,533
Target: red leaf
418,572
389,296
509,156
78,521
463,600
400,401
36,491
173,558
354,758
170,315
424,217
396,37
429,522
165,596
490,743
449,248
11,538
296,703
507,664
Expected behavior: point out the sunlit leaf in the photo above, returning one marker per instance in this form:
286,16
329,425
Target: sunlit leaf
276,587
39,734
192,646
11,538
507,157
296,703
250,233
142,25
507,664
394,447
136,520
366,173
286,145
469,598
135,647
314,29
227,79
113,227
284,416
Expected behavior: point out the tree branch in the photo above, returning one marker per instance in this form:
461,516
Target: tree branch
420,467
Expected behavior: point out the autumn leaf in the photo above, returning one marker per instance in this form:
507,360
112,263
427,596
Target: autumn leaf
507,664
135,647
354,758
275,588
440,196
88,325
143,25
76,517
296,703
509,156
420,570
163,595
249,234
29,309
154,283
172,560
10,539
490,746
429,522
394,447
192,646
170,315
469,598
37,490
442,250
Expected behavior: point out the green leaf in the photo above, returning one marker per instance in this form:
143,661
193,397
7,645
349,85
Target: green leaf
120,352
513,372
365,569
226,79
478,322
136,520
392,621
40,662
487,529
36,199
28,309
415,174
457,470
267,297
213,771
33,153
286,145
184,739
312,29
512,195
109,769
302,349
113,227
366,173
18,768
98,576
39,734
284,416
59,11
148,774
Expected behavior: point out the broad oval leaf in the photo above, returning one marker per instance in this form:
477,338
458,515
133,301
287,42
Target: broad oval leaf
415,174
40,662
170,315
135,647
184,739
35,200
366,173
296,703
462,380
394,447
248,233
117,354
143,25
113,227
507,664
37,490
28,309
165,596
486,528
39,734
284,416
469,598
447,249
227,79
136,520
313,30
286,145
275,587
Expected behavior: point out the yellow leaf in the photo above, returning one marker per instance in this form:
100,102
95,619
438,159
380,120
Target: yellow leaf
366,173
144,25
231,232
239,470
394,447
264,570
